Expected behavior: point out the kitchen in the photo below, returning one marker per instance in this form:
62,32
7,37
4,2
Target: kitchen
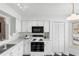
37,29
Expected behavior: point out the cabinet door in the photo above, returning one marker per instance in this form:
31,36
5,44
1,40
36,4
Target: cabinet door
25,26
55,37
61,37
27,47
40,23
47,48
58,36
34,23
37,23
20,49
46,26
14,51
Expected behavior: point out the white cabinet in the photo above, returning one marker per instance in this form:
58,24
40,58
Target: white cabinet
61,37
14,51
20,48
40,23
27,47
27,25
34,23
46,26
47,47
58,36
55,37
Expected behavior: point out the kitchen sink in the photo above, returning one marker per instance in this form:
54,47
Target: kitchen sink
7,47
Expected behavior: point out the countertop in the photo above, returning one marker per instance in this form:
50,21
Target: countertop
16,41
10,45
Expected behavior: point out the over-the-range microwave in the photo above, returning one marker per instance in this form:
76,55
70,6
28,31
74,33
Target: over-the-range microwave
37,29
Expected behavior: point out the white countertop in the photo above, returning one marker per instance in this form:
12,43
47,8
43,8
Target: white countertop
16,41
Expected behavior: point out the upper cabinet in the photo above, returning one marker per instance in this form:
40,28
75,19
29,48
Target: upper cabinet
27,25
46,26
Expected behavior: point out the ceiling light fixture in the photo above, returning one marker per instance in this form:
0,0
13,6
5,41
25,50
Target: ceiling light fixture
22,6
73,16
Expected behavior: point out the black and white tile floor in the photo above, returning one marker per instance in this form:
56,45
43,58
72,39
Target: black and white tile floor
63,54
55,55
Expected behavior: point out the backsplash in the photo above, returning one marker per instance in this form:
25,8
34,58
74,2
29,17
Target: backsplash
23,34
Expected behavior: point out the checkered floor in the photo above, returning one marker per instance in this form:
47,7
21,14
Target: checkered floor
55,55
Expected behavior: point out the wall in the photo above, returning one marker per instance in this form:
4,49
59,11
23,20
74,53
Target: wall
11,12
12,25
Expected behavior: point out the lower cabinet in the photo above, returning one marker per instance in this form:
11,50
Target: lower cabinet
27,47
16,50
20,48
48,48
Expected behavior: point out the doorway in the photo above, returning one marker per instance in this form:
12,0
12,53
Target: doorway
2,28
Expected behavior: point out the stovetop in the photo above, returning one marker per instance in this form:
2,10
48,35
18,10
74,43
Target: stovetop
37,39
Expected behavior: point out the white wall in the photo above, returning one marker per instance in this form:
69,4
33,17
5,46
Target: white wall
11,12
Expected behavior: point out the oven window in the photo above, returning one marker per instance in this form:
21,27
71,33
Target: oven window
37,46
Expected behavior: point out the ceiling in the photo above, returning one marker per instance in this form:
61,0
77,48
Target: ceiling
45,9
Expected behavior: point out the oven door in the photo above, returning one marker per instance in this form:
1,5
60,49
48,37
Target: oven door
37,46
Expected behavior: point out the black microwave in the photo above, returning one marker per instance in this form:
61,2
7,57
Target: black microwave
37,29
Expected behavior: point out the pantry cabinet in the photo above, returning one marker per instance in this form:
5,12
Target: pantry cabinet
58,36
61,37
